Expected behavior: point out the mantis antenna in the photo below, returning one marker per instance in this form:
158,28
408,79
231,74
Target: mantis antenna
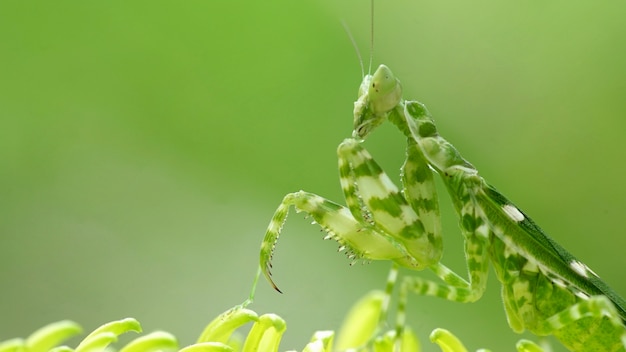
369,70
356,48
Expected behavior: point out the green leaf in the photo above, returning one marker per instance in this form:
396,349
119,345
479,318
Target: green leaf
222,327
447,341
265,334
155,341
97,342
12,345
104,335
51,335
208,347
322,341
528,346
62,349
361,321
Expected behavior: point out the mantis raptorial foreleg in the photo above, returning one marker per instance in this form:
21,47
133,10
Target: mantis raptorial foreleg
379,223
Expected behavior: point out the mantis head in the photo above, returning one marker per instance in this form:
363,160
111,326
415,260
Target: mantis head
378,95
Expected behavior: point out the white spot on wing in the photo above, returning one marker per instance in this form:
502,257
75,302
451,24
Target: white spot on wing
580,268
582,295
559,282
591,271
513,212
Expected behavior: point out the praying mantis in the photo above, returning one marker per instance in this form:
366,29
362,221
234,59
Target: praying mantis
545,289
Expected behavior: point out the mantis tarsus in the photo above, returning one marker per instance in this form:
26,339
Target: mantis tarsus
544,288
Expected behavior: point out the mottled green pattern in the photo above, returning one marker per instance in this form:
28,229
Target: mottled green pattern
544,288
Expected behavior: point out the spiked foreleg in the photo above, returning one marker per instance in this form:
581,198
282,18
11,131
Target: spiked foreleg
372,195
359,240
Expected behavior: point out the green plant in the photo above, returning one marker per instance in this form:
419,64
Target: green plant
359,329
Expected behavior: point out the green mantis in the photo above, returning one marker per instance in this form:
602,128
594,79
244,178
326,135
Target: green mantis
544,288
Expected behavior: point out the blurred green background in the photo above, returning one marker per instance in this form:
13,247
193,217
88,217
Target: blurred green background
145,145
